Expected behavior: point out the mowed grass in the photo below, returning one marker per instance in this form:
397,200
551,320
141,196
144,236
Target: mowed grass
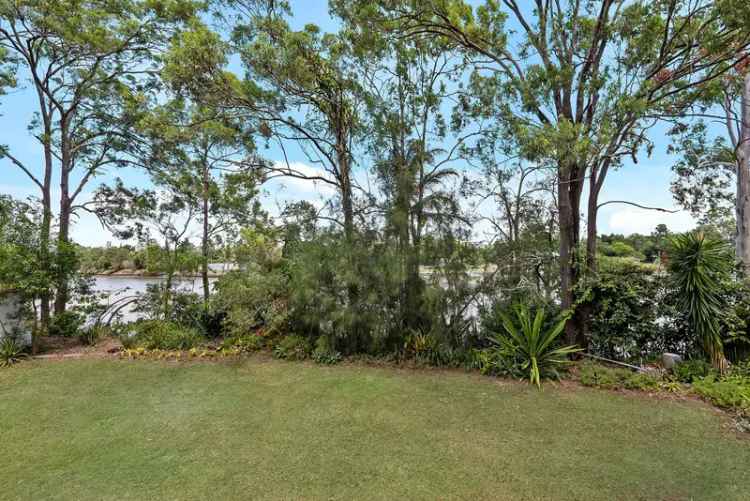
261,429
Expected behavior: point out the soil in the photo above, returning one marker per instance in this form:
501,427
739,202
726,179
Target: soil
58,347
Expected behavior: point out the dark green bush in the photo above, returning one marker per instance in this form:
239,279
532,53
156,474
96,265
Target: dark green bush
689,371
66,324
292,347
162,335
631,315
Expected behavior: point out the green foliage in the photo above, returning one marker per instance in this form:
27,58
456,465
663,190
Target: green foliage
689,371
529,347
593,374
732,392
161,335
247,343
11,351
643,382
618,249
66,324
699,266
324,353
90,336
292,347
630,311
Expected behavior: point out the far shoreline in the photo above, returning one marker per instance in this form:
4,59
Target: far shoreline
146,274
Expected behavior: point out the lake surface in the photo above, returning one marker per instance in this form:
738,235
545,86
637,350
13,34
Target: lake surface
118,288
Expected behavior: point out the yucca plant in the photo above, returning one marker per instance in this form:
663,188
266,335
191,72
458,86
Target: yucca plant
698,265
11,352
531,348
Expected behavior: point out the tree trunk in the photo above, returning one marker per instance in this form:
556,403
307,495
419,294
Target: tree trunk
569,200
743,179
347,205
591,228
63,238
63,251
44,244
169,278
45,230
204,241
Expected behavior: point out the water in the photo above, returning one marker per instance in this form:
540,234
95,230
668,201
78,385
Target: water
119,289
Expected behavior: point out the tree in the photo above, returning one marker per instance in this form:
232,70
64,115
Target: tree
713,173
21,265
412,150
209,160
579,86
298,89
84,60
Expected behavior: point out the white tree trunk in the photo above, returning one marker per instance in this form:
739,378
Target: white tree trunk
743,178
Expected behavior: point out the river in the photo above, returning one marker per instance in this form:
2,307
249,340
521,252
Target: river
118,288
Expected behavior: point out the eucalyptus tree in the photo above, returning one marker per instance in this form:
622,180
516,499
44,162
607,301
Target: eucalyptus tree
209,159
84,60
298,91
575,83
713,171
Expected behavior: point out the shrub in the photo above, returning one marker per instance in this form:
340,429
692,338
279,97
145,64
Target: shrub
691,370
292,348
603,377
642,381
600,376
11,351
529,347
247,343
630,316
324,353
251,300
162,335
731,392
66,324
90,336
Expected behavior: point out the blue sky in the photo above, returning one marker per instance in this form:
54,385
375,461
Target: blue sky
646,183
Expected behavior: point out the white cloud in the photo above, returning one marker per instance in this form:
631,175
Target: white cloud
300,189
634,220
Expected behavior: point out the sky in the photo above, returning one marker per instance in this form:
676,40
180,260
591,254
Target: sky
646,183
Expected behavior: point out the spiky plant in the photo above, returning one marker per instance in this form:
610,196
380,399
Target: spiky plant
530,346
11,352
698,265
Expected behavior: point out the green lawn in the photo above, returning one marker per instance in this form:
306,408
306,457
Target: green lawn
261,429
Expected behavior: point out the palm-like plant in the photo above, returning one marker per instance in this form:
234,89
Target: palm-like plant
698,265
532,348
11,352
